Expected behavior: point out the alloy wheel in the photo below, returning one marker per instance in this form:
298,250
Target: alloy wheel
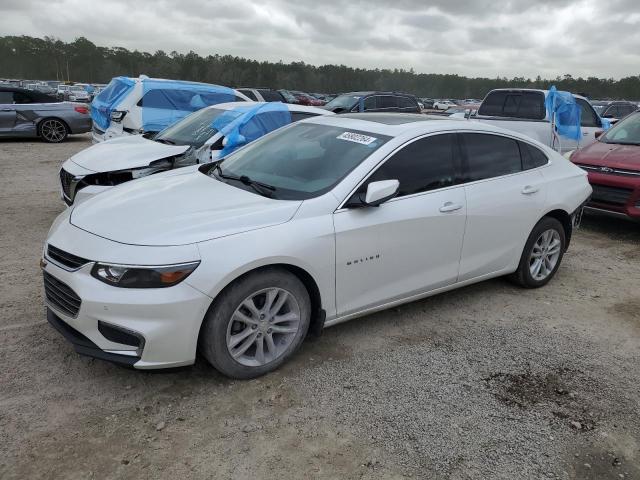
545,254
263,327
53,131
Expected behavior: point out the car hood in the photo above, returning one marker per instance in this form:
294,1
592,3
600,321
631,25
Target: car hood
125,152
626,157
179,207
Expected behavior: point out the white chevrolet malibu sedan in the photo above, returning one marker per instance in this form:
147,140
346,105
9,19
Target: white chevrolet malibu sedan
316,223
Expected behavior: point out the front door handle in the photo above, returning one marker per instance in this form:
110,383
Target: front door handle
450,207
529,190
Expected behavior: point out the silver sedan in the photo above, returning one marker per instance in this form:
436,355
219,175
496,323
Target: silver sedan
26,113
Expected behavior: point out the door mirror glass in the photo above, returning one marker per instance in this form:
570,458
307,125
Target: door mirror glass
380,192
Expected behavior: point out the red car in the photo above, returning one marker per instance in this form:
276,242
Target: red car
613,165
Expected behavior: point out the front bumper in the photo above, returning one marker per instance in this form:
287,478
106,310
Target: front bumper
615,193
167,320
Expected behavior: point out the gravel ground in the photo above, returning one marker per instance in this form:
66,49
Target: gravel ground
490,381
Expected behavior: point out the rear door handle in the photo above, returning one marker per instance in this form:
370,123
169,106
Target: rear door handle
450,207
529,190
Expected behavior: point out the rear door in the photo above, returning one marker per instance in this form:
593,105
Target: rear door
7,111
411,243
504,201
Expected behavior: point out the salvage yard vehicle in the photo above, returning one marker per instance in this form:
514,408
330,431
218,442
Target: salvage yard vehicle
444,104
614,110
27,113
613,166
132,106
262,94
523,110
374,102
319,222
77,93
202,137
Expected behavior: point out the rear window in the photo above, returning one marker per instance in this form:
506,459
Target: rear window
514,104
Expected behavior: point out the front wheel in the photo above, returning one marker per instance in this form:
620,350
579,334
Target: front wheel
542,254
256,324
52,130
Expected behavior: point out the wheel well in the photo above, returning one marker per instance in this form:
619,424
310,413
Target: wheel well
565,219
52,118
317,313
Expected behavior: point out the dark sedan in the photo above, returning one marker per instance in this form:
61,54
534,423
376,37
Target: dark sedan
613,166
26,113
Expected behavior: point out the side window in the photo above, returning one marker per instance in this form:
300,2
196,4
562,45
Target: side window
588,117
625,110
297,116
423,165
407,104
532,157
387,102
249,94
271,96
369,103
6,98
21,97
490,156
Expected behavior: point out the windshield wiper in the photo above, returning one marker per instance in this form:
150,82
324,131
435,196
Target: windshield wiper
262,188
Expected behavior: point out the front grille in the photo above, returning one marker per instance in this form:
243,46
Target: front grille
612,195
609,170
65,259
66,180
61,296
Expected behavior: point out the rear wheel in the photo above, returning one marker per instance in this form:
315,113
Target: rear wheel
256,324
542,254
52,130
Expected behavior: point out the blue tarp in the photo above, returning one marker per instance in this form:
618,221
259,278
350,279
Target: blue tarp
245,124
164,102
107,99
567,113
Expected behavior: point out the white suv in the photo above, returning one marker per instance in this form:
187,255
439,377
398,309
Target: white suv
131,106
316,223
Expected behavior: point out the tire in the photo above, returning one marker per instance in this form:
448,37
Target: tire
53,130
238,318
525,275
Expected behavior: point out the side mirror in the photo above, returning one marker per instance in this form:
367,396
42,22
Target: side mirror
598,134
380,192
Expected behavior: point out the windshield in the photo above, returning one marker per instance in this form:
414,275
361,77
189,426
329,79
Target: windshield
626,131
345,102
192,130
301,161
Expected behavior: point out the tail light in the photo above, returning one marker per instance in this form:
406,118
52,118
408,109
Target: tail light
81,109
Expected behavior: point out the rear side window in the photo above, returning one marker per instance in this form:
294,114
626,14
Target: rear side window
249,94
514,104
588,117
22,97
624,110
6,98
490,156
407,104
426,164
532,157
271,96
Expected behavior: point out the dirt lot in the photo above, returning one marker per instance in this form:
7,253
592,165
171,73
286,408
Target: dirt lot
490,381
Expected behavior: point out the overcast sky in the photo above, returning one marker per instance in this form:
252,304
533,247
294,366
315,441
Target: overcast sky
469,37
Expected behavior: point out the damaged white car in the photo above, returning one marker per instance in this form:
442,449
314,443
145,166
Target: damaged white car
202,137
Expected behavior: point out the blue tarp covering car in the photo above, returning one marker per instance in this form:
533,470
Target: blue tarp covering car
163,102
244,124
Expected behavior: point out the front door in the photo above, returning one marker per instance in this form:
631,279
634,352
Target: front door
410,244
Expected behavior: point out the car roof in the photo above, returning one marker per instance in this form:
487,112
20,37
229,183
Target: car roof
292,107
400,124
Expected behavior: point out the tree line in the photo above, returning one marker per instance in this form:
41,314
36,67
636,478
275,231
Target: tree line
49,58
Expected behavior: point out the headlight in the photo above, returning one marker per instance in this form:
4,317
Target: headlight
126,276
117,115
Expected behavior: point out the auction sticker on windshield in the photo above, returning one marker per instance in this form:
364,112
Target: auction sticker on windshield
357,138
